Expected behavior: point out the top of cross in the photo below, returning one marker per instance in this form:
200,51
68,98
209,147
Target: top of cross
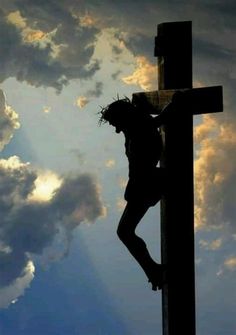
173,47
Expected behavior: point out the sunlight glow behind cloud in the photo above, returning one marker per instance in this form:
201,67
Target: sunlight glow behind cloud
16,19
230,263
36,206
33,36
215,175
145,75
87,20
45,186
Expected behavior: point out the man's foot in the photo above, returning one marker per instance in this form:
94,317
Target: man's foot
157,279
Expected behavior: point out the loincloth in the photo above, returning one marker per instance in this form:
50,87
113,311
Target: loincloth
145,188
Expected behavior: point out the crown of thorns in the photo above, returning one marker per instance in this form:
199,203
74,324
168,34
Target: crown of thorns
114,106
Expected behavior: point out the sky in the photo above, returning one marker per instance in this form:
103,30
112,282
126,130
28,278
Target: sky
63,269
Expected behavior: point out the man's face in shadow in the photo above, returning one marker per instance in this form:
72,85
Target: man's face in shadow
118,126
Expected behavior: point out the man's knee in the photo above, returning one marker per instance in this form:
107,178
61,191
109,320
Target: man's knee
124,233
120,232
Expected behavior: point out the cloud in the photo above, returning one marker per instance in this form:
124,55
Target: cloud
213,245
11,293
87,20
117,50
96,92
216,136
28,34
215,175
37,206
78,199
9,121
45,186
230,263
44,49
116,74
137,38
48,44
145,75
81,101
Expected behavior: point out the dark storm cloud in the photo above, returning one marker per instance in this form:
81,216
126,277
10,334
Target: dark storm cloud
207,49
74,41
29,225
225,10
37,64
140,44
78,199
134,22
12,266
137,19
215,65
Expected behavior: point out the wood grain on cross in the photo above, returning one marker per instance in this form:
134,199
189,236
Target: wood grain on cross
173,47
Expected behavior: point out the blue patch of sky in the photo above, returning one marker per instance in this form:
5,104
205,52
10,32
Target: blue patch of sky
67,298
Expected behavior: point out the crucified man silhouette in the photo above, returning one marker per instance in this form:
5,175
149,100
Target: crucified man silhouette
143,148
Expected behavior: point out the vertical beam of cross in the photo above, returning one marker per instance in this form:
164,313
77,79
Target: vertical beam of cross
174,50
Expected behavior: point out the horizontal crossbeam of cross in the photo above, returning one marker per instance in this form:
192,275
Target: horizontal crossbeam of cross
197,100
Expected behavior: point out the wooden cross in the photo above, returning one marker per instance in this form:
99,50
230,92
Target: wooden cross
173,47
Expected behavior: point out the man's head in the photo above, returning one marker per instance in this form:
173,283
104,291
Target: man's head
119,114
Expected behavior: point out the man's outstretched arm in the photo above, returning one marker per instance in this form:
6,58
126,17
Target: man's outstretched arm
178,101
164,116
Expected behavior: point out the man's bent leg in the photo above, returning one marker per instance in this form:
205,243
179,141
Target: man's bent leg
132,215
